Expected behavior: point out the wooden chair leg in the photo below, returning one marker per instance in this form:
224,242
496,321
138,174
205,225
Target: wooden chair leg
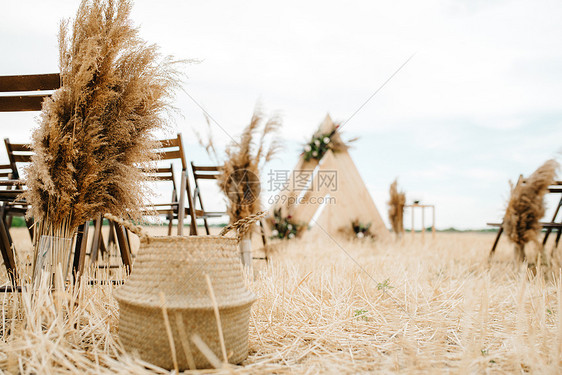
207,230
181,203
124,248
111,237
500,231
170,223
7,250
191,206
94,250
197,197
546,235
128,241
549,230
103,249
264,239
80,250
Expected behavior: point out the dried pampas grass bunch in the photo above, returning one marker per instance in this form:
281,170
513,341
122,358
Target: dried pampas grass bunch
526,207
96,130
396,208
240,178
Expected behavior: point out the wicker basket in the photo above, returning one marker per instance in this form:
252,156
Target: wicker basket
176,267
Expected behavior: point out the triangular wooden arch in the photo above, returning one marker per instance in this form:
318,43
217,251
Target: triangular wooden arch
349,200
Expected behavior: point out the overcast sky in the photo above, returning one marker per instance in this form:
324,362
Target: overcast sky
478,104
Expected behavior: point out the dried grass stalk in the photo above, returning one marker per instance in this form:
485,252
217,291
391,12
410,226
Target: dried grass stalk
240,178
396,208
526,207
207,142
96,130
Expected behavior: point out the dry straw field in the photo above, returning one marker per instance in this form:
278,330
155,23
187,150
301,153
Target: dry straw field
331,307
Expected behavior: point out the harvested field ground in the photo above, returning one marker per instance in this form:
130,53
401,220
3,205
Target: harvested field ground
332,307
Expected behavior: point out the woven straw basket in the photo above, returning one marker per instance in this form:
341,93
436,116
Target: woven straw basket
177,267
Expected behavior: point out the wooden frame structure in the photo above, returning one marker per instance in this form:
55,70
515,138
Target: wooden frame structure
309,202
423,207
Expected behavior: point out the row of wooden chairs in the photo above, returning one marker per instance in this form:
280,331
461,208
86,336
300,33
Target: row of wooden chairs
180,207
169,150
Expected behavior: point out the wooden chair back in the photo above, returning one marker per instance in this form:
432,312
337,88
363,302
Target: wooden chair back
18,153
35,84
213,173
6,172
205,173
169,150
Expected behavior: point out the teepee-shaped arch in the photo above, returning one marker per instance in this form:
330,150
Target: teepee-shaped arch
328,194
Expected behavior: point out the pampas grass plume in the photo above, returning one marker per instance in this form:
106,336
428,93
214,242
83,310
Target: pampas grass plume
96,130
396,208
526,207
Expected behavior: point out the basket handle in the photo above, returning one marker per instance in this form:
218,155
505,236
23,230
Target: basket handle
136,229
242,226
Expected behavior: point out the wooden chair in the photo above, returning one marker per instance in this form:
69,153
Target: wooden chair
178,208
553,225
160,174
549,226
117,232
175,209
37,87
19,155
213,173
205,173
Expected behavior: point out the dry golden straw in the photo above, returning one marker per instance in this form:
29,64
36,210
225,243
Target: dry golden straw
526,207
318,312
396,208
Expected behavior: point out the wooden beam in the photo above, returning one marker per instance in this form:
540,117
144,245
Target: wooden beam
21,103
30,82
